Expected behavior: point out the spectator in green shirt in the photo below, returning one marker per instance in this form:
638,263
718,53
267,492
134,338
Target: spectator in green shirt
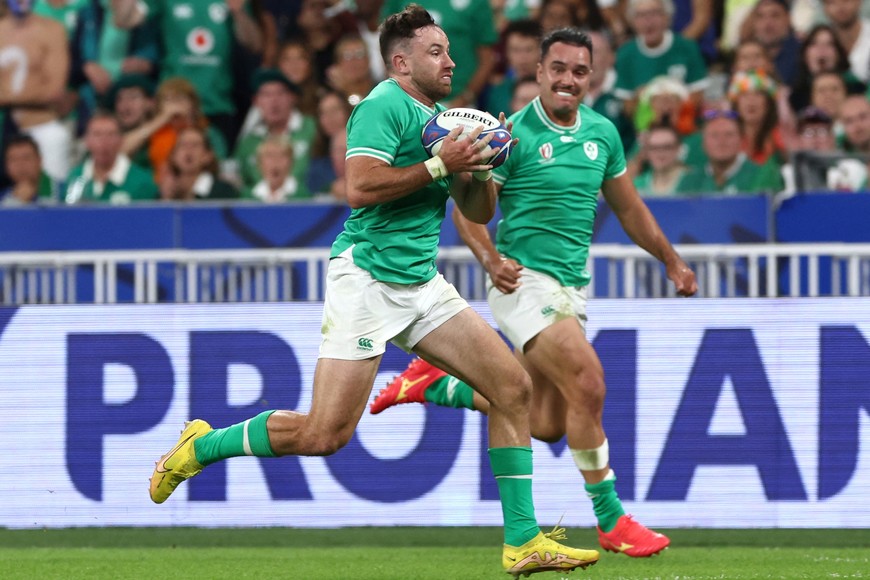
274,114
728,170
23,165
275,161
108,176
656,51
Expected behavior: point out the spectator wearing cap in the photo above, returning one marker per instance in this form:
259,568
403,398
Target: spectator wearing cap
728,170
274,114
853,32
108,176
30,184
769,24
815,163
197,42
753,97
821,52
102,53
655,51
131,99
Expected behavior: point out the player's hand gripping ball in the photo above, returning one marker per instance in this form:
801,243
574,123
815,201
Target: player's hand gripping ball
442,123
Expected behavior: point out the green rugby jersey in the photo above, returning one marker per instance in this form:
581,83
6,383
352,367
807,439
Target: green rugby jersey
550,186
197,45
677,57
395,241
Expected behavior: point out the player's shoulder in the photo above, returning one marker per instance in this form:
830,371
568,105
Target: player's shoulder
527,117
589,118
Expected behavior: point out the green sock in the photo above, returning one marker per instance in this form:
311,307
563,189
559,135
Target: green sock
246,438
605,502
450,392
512,467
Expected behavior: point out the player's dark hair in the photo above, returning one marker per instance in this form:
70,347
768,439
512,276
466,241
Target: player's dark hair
570,36
18,141
402,26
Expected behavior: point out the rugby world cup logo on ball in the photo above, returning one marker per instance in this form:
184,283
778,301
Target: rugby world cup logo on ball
442,123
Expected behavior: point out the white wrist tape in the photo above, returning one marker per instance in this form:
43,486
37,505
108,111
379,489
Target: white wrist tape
482,175
436,168
592,459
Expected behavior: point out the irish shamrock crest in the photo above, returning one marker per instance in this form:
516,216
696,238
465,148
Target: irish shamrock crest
591,150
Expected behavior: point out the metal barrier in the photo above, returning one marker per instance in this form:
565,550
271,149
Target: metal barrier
107,277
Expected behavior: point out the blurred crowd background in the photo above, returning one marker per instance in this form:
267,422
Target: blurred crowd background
121,101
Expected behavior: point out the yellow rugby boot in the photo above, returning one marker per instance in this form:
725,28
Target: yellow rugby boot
179,463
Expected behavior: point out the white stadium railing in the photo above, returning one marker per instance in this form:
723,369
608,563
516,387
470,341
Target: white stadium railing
268,275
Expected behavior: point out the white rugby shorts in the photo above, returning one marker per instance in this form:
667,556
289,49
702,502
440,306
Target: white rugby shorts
540,301
360,314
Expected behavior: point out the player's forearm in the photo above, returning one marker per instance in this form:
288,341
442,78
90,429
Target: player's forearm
374,185
477,200
476,237
247,31
643,229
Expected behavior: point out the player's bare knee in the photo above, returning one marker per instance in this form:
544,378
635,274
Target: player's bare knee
587,391
330,443
515,393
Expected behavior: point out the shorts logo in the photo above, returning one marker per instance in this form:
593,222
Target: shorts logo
591,150
365,344
547,311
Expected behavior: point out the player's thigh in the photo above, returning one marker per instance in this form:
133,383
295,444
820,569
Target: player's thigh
468,348
563,355
548,409
341,392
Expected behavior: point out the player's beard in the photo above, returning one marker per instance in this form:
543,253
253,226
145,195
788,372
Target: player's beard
434,88
565,108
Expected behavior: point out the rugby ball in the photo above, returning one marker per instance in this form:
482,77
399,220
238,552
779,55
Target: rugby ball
442,123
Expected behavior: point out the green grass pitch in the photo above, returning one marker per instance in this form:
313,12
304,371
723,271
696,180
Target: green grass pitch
411,554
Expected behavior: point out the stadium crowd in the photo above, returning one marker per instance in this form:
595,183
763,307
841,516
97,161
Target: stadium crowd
120,101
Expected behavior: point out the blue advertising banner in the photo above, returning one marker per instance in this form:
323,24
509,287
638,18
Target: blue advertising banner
736,413
824,217
704,220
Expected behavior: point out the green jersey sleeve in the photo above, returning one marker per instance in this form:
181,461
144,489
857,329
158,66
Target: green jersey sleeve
616,154
374,129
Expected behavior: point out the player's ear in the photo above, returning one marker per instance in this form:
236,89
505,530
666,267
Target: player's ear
400,65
